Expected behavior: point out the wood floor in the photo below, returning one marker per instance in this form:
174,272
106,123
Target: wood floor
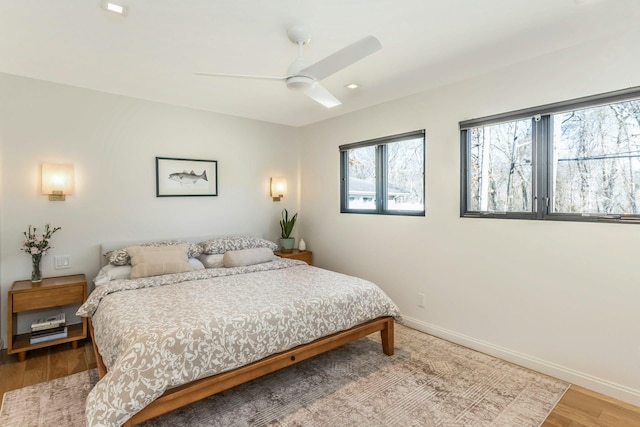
44,364
579,407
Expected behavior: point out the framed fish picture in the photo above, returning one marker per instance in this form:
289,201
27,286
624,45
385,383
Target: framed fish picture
186,177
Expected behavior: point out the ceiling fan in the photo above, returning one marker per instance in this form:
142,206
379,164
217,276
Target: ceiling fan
305,77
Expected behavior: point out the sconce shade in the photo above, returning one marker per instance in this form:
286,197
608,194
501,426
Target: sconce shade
278,188
57,180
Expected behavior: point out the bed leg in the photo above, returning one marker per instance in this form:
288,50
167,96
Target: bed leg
102,369
387,337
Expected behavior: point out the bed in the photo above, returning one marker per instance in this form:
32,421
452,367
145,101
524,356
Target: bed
165,340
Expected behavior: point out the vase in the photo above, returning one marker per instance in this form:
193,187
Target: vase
36,273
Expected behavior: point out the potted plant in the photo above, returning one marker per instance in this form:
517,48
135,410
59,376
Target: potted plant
286,227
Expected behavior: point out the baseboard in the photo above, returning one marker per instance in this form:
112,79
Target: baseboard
600,385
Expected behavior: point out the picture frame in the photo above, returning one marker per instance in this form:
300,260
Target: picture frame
177,177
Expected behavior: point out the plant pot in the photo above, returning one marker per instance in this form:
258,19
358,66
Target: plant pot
286,245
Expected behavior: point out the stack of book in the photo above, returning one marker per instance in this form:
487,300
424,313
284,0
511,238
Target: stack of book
51,328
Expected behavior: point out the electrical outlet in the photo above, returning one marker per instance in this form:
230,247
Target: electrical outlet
62,261
422,300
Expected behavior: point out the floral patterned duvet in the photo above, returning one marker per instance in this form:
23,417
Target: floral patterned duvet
160,332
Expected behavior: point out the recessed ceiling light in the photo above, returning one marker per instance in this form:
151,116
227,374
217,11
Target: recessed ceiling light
112,7
352,86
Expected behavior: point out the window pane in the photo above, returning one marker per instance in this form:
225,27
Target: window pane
405,183
362,178
596,160
500,168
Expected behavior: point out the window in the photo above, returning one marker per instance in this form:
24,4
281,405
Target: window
384,175
577,161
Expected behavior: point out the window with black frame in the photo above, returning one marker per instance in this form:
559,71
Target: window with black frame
576,161
384,175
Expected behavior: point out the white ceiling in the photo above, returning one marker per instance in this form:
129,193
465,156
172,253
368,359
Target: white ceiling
153,51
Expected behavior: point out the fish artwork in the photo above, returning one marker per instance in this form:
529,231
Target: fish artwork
185,176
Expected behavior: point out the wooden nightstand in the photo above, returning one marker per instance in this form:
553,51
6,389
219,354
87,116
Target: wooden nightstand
306,256
51,292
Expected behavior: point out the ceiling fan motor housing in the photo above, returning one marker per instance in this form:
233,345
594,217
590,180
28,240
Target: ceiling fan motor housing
299,82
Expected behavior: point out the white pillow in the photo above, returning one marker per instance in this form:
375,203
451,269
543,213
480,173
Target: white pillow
247,257
195,264
112,272
212,261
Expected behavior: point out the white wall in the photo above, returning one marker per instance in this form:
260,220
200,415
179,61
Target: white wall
112,141
562,298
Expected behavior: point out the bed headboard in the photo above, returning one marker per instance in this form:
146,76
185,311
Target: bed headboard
110,246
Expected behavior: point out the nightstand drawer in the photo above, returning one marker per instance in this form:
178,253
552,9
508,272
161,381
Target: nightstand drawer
47,298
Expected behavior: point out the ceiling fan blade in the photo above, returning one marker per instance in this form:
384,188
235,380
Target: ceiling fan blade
242,76
318,93
342,58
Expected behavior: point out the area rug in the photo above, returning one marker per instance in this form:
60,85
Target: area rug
428,382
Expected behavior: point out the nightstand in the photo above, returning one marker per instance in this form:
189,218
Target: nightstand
51,292
306,256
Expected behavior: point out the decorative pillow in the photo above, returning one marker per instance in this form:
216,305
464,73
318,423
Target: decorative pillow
212,261
112,272
121,257
157,260
248,257
195,264
220,245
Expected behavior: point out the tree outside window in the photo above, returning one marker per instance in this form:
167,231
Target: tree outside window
384,176
561,162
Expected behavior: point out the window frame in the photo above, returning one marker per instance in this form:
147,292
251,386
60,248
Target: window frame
380,145
541,158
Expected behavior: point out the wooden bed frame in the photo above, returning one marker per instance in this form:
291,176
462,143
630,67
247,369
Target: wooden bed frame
188,393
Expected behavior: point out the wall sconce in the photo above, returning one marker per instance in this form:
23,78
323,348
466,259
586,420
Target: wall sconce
278,188
57,181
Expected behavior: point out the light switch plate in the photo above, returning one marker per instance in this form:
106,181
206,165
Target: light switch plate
62,261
